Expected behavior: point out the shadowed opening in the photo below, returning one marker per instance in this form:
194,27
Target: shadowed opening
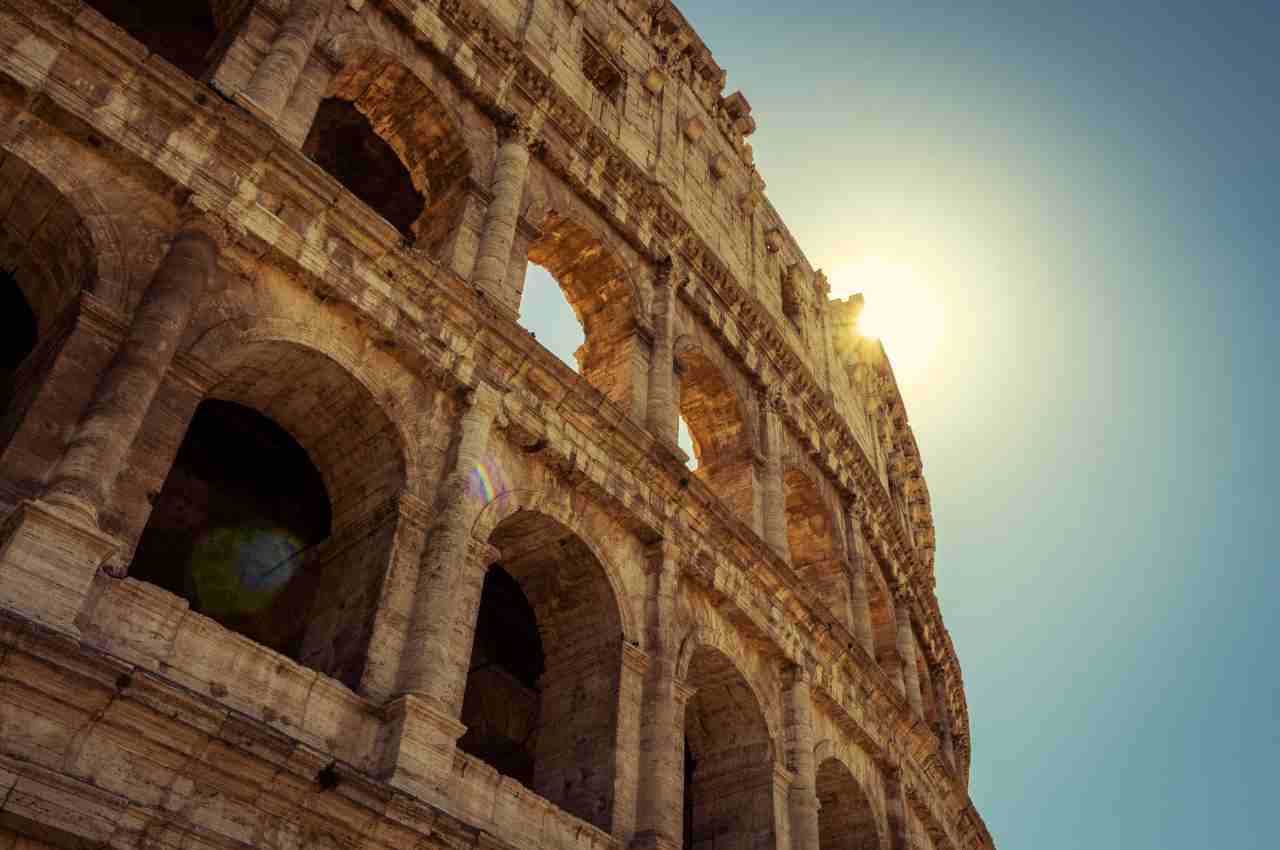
46,261
884,628
390,140
709,411
541,701
728,760
846,820
184,32
278,514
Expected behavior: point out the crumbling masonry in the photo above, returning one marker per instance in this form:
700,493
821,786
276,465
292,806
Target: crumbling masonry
306,542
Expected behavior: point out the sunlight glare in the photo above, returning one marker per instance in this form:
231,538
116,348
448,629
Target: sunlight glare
900,310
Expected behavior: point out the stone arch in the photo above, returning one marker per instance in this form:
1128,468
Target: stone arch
846,816
591,267
222,530
884,620
56,243
729,757
541,698
391,138
556,506
815,541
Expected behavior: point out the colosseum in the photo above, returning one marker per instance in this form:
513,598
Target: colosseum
307,542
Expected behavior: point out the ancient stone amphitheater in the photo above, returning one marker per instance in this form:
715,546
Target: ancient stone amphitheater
308,543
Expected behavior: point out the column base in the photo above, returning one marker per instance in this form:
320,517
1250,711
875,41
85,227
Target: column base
48,558
419,745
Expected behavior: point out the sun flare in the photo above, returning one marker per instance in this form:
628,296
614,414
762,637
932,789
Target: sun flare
900,309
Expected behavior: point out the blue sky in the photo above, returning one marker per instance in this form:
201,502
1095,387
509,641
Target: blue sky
1091,192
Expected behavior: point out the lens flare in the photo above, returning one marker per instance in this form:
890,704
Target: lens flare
486,481
241,570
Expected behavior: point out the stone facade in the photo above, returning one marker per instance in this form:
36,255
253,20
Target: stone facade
305,541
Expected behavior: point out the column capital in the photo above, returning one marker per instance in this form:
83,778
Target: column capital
516,129
194,220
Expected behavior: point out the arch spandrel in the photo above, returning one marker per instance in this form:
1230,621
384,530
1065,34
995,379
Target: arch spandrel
504,487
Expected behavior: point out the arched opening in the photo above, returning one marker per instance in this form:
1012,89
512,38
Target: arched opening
546,314
541,700
884,624
46,260
721,445
278,514
728,759
814,543
598,291
184,32
846,820
392,142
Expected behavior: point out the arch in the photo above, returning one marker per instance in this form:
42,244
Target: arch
541,704
186,33
557,507
589,265
846,818
729,754
884,621
389,138
815,542
48,257
323,589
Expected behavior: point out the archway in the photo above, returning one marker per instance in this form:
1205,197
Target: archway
541,700
846,820
728,759
395,145
814,542
184,32
722,446
884,624
46,260
277,516
600,293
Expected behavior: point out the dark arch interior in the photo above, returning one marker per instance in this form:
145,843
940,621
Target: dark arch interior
542,689
728,759
343,142
845,817
506,658
184,32
231,530
18,333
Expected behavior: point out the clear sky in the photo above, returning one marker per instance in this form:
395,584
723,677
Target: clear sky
1088,195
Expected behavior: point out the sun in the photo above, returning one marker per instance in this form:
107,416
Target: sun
900,309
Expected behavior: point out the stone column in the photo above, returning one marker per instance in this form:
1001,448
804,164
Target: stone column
501,217
433,674
269,89
660,797
774,501
860,597
422,737
51,549
896,809
907,652
626,779
802,798
663,402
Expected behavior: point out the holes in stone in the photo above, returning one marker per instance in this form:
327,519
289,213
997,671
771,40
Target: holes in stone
542,689
342,142
242,509
184,32
600,70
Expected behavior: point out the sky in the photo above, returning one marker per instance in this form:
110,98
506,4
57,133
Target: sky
1086,199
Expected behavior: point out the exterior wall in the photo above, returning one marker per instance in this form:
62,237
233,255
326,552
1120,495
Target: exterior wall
127,717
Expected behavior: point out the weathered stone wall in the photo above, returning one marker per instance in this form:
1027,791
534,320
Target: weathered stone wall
748,655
